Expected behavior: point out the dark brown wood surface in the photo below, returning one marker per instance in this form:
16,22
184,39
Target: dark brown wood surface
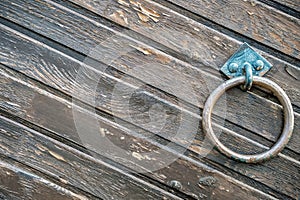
17,183
73,168
46,111
294,4
194,170
250,18
45,62
45,43
198,45
253,19
137,57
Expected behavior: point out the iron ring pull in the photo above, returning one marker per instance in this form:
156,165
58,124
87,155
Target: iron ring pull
245,68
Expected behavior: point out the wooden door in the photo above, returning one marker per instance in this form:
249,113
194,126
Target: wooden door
137,73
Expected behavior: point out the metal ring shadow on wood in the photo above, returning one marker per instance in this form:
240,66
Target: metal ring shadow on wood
288,119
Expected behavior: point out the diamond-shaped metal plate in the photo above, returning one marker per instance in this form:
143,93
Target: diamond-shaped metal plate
234,66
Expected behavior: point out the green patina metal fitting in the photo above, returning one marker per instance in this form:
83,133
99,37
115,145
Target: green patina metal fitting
234,67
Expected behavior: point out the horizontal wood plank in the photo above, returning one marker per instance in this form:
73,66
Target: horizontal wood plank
206,49
253,19
33,102
19,184
75,169
294,4
93,177
57,82
162,77
47,112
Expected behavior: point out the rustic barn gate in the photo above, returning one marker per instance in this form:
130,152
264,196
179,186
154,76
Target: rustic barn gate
103,99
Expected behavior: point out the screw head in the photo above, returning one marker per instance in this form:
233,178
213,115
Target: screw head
259,65
207,181
175,184
233,67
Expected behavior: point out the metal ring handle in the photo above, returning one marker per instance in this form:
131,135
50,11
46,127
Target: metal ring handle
288,119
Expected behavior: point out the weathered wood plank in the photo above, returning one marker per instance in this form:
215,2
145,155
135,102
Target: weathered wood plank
74,168
19,184
257,15
204,48
47,111
277,165
253,19
36,56
56,159
294,4
37,71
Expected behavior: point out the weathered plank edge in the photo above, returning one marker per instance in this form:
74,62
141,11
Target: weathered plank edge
288,4
61,149
53,96
280,79
30,185
266,19
60,53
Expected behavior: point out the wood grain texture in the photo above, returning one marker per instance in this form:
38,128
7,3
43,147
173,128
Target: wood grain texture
264,24
163,76
71,167
93,178
67,87
47,111
202,47
253,19
48,118
294,4
59,71
19,184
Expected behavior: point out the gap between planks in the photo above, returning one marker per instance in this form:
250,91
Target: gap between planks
44,92
206,73
62,147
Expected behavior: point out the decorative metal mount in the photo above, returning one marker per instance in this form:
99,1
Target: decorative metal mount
245,68
245,55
